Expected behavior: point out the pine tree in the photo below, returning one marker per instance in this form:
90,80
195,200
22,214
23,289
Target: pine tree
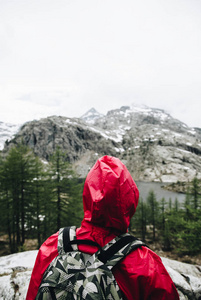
143,218
187,204
16,196
162,206
153,212
195,193
64,190
176,205
170,204
139,220
37,195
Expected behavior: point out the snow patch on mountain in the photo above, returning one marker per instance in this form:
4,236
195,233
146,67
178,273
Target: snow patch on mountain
143,109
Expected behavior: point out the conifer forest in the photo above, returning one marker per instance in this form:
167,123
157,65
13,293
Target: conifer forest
38,198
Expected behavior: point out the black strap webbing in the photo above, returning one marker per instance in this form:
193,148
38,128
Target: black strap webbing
104,256
86,242
66,239
67,242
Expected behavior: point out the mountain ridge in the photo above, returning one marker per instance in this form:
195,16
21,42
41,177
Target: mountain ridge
153,145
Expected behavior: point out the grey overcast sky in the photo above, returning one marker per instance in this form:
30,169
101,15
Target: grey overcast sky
62,57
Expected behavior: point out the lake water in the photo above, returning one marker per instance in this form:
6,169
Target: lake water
145,187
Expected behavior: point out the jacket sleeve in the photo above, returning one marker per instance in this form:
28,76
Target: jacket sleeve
142,275
47,252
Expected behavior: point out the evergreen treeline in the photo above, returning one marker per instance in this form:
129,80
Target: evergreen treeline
36,199
175,226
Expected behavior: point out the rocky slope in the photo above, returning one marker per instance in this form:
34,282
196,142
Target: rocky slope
156,146
153,145
15,272
73,136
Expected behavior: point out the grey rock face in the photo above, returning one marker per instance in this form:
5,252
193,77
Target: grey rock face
153,145
72,135
156,147
186,277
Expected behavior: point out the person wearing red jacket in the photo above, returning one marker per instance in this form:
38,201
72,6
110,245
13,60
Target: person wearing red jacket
110,198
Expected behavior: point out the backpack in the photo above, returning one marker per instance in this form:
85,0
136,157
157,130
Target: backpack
77,275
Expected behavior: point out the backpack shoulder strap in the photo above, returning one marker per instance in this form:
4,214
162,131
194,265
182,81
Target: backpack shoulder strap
67,241
110,254
118,248
66,235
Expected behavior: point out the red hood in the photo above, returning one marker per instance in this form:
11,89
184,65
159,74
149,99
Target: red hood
110,195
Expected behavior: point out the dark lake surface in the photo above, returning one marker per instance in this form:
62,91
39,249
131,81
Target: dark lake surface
145,187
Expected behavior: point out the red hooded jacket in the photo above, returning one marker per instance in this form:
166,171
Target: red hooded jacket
110,198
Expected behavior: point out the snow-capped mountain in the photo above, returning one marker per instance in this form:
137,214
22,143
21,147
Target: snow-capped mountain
156,147
91,116
153,145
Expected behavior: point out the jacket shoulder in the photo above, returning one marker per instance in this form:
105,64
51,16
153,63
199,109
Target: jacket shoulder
47,252
143,274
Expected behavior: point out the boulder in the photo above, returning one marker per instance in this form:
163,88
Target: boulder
15,273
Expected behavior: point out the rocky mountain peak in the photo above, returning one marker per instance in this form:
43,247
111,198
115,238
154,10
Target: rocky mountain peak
91,115
153,145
